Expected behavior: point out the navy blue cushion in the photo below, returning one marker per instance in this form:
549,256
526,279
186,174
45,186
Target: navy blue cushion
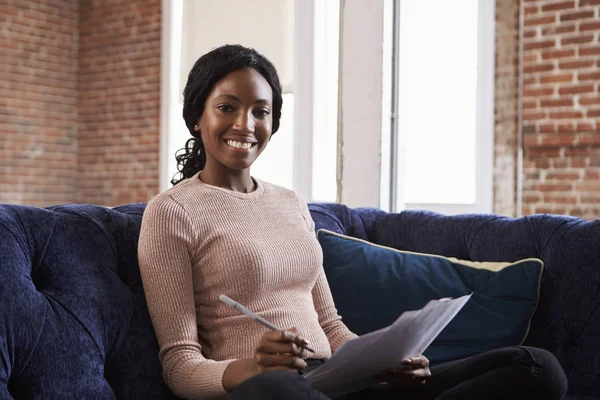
372,285
567,319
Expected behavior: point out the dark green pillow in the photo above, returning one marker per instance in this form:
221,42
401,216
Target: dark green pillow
372,285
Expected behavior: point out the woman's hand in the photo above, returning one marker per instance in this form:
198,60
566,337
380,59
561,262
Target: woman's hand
276,350
280,350
415,371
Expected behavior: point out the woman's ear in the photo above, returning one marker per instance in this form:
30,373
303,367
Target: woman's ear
197,126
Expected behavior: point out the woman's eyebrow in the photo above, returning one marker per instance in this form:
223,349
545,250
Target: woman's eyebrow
234,98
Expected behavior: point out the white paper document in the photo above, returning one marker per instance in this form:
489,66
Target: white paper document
355,363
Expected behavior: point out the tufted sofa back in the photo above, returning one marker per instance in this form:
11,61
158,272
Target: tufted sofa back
567,319
73,319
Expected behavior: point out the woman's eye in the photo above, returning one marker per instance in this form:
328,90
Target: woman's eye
225,108
263,112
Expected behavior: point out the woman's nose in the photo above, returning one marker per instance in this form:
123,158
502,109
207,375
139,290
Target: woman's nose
244,123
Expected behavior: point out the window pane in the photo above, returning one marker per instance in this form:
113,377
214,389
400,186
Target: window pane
437,100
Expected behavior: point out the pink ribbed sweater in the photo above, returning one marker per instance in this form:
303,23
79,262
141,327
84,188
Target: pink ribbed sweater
198,241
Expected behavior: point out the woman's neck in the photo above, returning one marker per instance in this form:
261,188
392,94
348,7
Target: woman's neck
237,181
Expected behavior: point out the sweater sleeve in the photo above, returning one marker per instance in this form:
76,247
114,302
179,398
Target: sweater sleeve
166,244
337,332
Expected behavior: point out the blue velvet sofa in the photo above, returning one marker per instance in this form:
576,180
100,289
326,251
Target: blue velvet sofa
74,324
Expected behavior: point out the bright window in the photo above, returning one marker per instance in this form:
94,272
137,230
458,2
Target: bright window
445,105
325,100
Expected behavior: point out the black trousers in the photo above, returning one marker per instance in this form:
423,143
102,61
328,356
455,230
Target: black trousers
516,372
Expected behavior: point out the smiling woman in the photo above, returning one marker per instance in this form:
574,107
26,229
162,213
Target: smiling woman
197,242
221,231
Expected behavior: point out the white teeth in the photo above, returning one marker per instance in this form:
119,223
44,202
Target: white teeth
239,145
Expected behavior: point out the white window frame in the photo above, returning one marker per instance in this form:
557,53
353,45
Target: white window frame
484,156
303,89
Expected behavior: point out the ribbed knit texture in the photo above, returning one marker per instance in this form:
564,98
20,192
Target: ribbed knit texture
198,241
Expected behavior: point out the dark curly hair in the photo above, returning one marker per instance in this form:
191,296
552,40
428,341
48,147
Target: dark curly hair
206,72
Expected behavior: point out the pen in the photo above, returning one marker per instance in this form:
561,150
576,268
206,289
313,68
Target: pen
234,304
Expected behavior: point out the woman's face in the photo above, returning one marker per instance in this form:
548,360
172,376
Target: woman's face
236,124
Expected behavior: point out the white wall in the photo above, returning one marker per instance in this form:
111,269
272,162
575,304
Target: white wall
265,25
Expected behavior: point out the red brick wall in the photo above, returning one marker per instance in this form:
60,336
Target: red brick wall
38,101
506,107
79,101
561,106
119,100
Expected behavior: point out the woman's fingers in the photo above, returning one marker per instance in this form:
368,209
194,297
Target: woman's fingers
421,373
282,342
416,362
280,350
279,360
279,347
415,371
291,335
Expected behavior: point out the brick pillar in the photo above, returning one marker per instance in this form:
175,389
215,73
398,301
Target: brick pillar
506,106
561,108
119,100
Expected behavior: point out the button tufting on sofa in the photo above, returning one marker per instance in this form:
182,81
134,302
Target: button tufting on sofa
72,323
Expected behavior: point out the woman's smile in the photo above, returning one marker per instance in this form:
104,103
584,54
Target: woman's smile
241,146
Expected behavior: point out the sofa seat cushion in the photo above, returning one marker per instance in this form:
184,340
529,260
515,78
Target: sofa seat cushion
372,285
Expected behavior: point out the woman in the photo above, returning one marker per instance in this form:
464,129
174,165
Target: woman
220,231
